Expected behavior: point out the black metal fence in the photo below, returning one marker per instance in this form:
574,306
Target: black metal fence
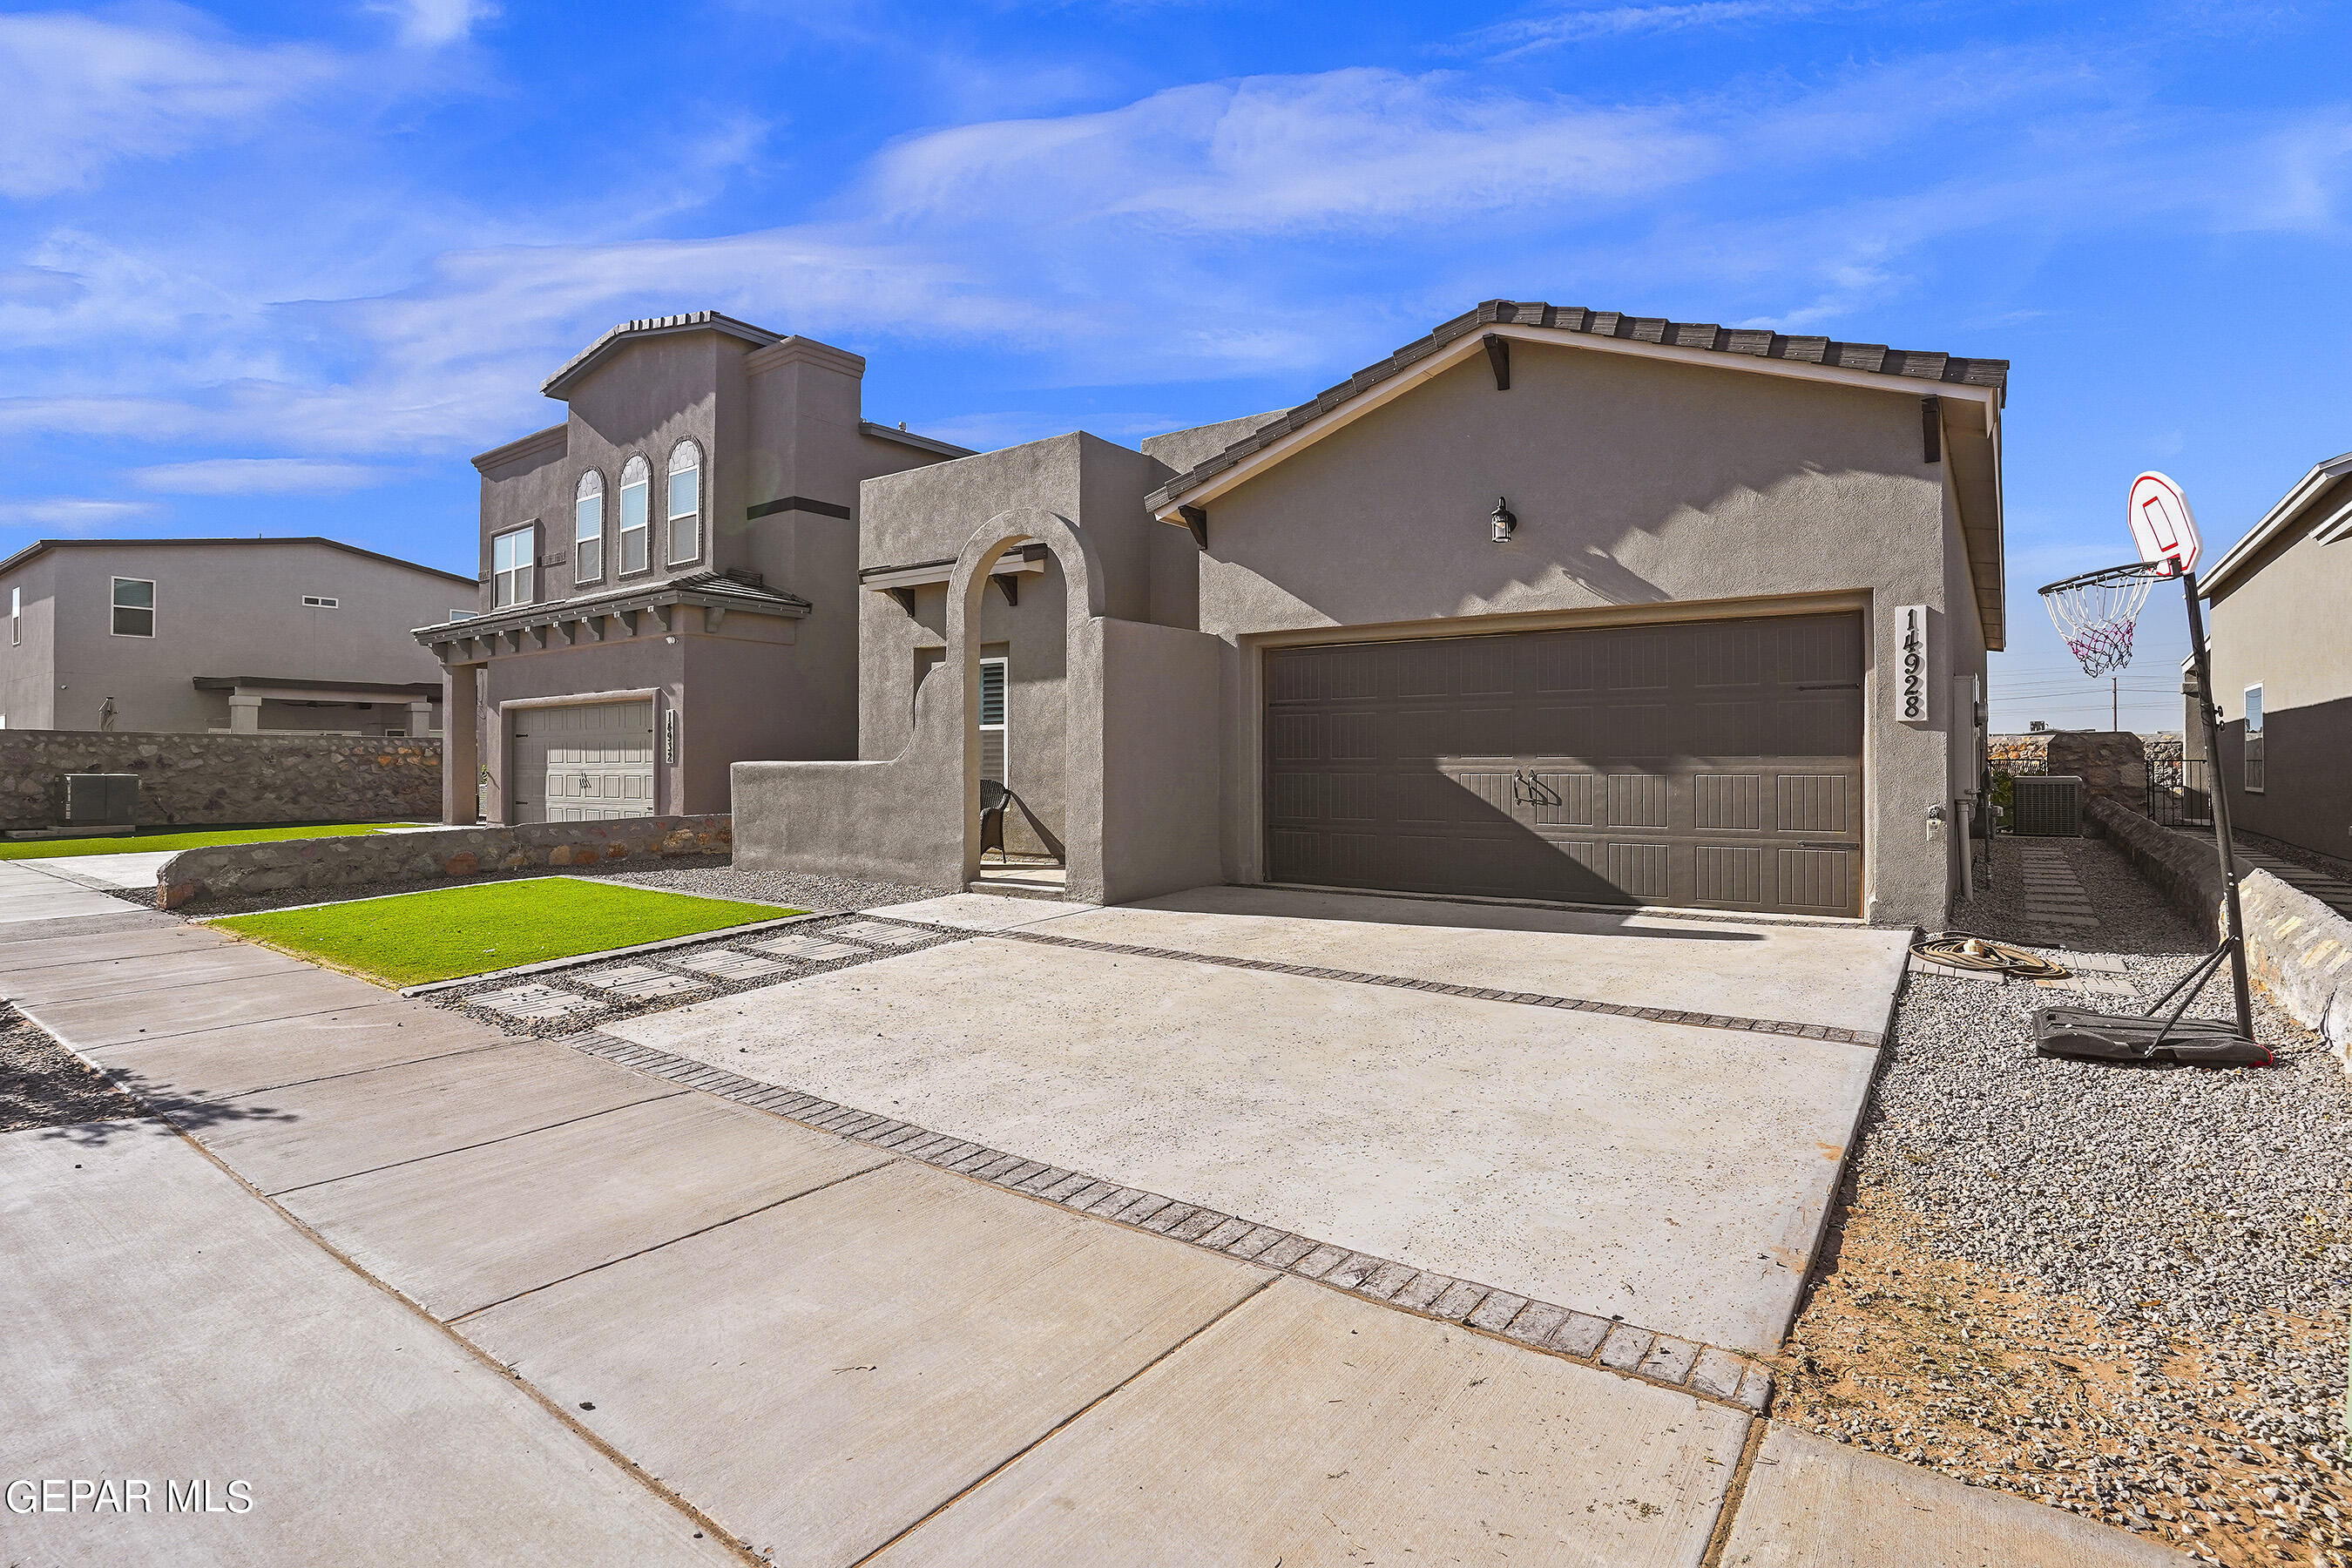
2180,792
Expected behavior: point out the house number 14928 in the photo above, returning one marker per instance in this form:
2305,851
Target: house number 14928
1911,683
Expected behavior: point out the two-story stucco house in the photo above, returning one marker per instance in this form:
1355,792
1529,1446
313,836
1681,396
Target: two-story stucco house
237,634
668,577
1552,603
2280,640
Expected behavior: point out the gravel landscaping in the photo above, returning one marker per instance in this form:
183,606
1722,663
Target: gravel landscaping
2120,1291
42,1084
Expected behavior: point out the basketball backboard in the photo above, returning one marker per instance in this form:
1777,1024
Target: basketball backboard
2163,524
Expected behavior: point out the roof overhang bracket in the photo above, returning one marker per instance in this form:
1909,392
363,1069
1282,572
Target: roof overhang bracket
1197,520
905,596
713,616
1931,429
1011,585
1498,354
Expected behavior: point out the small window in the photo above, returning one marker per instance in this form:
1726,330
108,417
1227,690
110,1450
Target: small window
134,607
16,617
636,483
685,514
588,528
463,614
321,601
2254,758
510,564
992,720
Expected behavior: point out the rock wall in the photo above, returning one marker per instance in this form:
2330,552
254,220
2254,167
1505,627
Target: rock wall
2300,951
327,865
2112,764
2183,868
200,780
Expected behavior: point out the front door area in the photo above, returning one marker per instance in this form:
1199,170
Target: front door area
582,762
1709,764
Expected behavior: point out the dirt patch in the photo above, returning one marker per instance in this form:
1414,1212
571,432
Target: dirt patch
1910,1352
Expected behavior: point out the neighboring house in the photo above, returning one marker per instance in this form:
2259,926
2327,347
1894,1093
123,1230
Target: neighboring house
1552,603
2280,638
236,635
669,576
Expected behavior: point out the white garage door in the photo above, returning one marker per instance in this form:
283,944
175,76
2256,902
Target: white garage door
584,762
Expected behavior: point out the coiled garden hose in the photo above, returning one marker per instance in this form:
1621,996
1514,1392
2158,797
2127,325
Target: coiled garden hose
1964,950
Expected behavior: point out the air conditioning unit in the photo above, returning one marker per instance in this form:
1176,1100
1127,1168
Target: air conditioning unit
2047,807
101,800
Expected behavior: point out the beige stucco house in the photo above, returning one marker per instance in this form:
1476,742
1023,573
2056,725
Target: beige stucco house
2280,640
267,636
1552,603
668,577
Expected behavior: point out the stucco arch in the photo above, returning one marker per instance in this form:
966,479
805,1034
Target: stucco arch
1082,599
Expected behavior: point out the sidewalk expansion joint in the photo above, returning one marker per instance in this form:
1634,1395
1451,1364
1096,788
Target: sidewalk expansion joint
1475,993
1609,1345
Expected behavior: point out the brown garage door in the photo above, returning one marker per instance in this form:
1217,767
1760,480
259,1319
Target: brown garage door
1713,763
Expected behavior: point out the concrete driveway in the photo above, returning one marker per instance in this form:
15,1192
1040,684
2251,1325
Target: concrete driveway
1634,1117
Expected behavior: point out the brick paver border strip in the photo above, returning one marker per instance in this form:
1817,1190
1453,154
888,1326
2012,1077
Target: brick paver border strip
1869,1038
1710,1371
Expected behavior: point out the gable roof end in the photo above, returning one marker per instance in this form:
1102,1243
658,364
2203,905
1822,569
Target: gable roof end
2280,517
581,363
1916,365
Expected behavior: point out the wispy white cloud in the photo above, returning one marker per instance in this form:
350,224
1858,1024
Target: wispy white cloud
85,91
73,515
259,476
432,24
1582,23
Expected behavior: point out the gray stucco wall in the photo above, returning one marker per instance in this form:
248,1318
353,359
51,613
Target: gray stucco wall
207,779
1635,482
1160,809
229,608
2286,624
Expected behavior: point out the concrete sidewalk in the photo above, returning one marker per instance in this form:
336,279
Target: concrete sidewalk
496,1267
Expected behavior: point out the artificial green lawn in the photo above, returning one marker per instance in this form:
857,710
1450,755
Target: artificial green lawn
193,838
412,938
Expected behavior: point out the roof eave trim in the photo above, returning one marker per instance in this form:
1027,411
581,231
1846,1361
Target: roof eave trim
2321,476
1166,500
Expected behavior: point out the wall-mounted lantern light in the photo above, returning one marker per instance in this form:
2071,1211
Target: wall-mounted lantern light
1505,520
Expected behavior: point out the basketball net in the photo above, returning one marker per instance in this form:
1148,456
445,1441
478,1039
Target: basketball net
2097,612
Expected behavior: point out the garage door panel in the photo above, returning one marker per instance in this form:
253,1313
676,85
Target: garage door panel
582,762
1667,764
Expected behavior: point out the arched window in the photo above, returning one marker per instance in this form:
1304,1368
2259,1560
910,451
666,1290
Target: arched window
684,502
588,529
636,483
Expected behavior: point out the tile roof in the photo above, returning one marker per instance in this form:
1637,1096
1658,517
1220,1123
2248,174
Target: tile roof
1755,343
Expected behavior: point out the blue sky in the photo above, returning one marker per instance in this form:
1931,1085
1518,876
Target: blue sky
282,268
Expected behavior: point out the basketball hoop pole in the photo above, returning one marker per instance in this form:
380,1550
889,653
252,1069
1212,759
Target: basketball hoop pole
2233,938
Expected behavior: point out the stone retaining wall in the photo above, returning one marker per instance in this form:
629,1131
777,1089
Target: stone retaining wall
2297,949
2184,869
2300,950
326,866
199,780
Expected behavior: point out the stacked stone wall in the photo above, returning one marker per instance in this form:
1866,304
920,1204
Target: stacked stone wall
207,780
328,866
2112,764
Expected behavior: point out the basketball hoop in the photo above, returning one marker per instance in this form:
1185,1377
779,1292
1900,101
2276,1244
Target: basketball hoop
2096,612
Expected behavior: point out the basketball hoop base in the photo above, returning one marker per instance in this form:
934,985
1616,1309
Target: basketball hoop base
2086,1036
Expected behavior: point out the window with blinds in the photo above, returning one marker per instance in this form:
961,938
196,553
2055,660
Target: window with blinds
992,718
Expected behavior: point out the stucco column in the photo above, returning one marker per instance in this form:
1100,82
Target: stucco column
420,717
461,744
244,713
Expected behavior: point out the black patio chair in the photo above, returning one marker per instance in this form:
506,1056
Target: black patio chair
993,797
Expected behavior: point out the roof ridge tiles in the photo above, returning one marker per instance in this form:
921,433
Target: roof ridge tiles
1752,343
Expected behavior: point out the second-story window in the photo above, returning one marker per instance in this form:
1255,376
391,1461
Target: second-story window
134,607
15,617
588,529
510,573
684,502
636,482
